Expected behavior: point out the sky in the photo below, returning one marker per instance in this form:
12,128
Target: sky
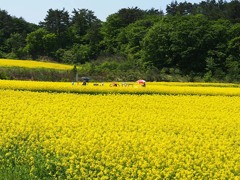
34,11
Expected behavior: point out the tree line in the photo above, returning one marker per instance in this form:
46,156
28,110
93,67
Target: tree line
195,40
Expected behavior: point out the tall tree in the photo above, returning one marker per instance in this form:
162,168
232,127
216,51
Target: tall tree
11,25
156,45
178,41
82,20
15,45
13,32
218,36
115,24
233,11
85,30
130,39
56,21
41,43
171,9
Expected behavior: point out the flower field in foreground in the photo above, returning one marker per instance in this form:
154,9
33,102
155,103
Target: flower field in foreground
118,136
33,64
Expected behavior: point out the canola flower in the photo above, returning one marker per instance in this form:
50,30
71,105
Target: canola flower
152,88
118,136
196,84
33,64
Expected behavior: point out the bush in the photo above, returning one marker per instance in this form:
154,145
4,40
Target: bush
3,75
38,74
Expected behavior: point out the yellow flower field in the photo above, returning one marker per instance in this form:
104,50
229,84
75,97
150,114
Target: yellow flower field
33,64
47,135
212,89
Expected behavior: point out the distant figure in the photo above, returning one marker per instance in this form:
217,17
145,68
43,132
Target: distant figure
114,84
72,83
84,83
144,84
102,83
124,84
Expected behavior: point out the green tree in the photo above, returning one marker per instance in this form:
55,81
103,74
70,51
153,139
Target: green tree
216,46
57,22
116,23
234,31
50,44
11,27
77,54
234,47
110,31
85,29
81,21
35,42
15,45
233,12
156,45
130,39
178,41
93,38
171,9
233,69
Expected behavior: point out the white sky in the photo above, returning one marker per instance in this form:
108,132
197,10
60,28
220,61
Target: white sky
35,11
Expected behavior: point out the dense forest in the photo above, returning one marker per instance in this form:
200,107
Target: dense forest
189,42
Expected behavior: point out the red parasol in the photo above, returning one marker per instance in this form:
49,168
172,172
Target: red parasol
141,81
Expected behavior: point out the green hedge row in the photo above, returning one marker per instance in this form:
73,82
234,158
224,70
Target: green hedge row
36,74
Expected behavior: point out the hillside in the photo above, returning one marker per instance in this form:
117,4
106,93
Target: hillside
35,70
33,64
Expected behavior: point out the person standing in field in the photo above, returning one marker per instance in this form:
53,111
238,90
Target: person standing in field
84,83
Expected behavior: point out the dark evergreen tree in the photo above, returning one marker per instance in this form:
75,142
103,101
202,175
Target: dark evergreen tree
57,22
115,24
233,11
172,8
81,21
13,32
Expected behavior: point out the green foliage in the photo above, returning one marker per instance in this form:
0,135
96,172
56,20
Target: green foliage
234,30
85,34
82,22
38,74
234,47
56,21
130,39
114,68
200,41
233,12
211,8
233,69
156,45
76,55
116,23
3,75
50,43
35,42
12,25
208,76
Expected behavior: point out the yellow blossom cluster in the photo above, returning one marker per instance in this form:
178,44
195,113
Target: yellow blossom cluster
118,136
212,89
33,64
